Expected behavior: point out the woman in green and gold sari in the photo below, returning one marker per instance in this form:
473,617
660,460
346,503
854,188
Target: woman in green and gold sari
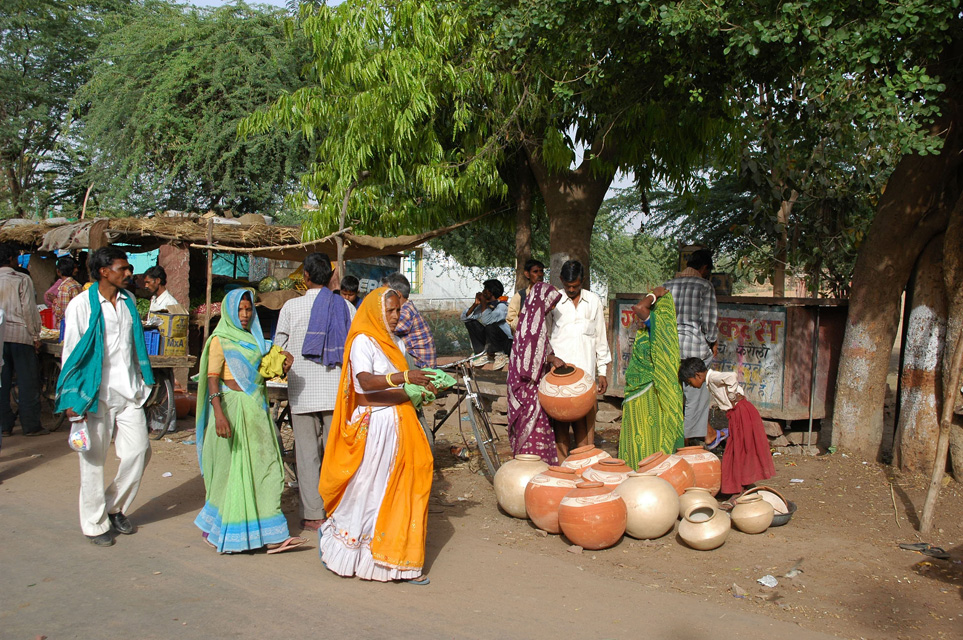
652,409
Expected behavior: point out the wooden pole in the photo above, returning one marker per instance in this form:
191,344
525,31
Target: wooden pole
943,442
210,277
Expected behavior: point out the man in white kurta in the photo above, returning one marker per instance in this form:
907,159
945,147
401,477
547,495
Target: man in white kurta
119,411
312,388
579,338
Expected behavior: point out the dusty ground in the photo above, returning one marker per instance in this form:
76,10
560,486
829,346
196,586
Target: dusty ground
489,571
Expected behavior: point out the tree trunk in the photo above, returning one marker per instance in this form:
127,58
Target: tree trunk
516,173
920,384
572,201
953,281
779,263
912,210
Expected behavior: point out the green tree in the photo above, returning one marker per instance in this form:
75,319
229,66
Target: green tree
45,47
160,113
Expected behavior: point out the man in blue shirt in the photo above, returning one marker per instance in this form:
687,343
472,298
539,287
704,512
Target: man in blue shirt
487,327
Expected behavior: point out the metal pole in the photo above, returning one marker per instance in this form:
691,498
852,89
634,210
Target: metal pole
812,381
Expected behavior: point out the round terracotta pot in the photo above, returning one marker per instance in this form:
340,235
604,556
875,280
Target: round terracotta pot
545,492
706,465
674,469
752,514
652,505
583,457
704,527
778,501
568,395
184,403
694,497
511,480
609,471
592,516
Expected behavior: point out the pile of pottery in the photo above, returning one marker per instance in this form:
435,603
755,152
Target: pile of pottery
594,499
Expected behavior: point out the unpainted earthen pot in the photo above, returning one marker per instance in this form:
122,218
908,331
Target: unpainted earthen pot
511,480
704,527
652,505
567,393
609,471
706,465
695,496
752,514
674,469
581,458
544,493
592,516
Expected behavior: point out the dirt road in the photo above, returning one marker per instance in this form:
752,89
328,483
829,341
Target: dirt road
164,582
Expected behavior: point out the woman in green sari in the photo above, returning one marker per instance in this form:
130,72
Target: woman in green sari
652,409
237,447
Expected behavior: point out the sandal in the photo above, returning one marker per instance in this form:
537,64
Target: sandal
926,549
287,545
423,580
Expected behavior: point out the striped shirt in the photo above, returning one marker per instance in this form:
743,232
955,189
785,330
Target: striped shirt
414,330
696,314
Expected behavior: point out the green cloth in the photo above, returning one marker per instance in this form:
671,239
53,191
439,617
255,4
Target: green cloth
652,417
243,478
420,395
78,386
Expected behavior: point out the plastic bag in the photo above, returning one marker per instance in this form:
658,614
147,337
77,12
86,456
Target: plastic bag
79,438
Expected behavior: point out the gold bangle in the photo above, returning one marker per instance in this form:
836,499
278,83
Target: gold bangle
391,385
406,378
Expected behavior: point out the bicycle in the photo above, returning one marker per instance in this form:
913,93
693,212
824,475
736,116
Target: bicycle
485,436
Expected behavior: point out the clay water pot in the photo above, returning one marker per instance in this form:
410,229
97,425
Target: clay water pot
567,393
545,492
592,516
696,496
752,514
581,458
652,505
511,480
674,469
704,527
706,465
609,471
778,501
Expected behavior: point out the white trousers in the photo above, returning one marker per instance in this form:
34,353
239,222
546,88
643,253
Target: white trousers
128,426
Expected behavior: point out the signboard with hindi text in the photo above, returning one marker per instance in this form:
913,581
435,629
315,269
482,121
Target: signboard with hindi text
752,342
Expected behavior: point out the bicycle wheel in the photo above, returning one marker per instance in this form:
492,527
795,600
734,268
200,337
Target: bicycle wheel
159,407
484,439
50,372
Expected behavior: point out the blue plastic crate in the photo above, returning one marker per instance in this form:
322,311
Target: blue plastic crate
152,338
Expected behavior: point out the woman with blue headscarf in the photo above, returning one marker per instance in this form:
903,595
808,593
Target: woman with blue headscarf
236,444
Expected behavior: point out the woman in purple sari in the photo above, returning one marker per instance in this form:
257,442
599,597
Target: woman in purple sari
528,428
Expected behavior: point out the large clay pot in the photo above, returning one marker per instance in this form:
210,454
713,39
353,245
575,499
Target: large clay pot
184,403
511,480
752,514
704,527
674,469
609,471
592,516
545,492
582,458
652,505
567,393
694,497
707,467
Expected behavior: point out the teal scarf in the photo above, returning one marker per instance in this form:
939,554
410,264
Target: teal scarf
78,387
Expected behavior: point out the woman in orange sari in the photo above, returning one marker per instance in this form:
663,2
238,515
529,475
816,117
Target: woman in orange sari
377,468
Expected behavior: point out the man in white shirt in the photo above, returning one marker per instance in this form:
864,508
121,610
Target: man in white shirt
155,280
118,410
579,338
312,387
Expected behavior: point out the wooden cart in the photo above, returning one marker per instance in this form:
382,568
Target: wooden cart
159,407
